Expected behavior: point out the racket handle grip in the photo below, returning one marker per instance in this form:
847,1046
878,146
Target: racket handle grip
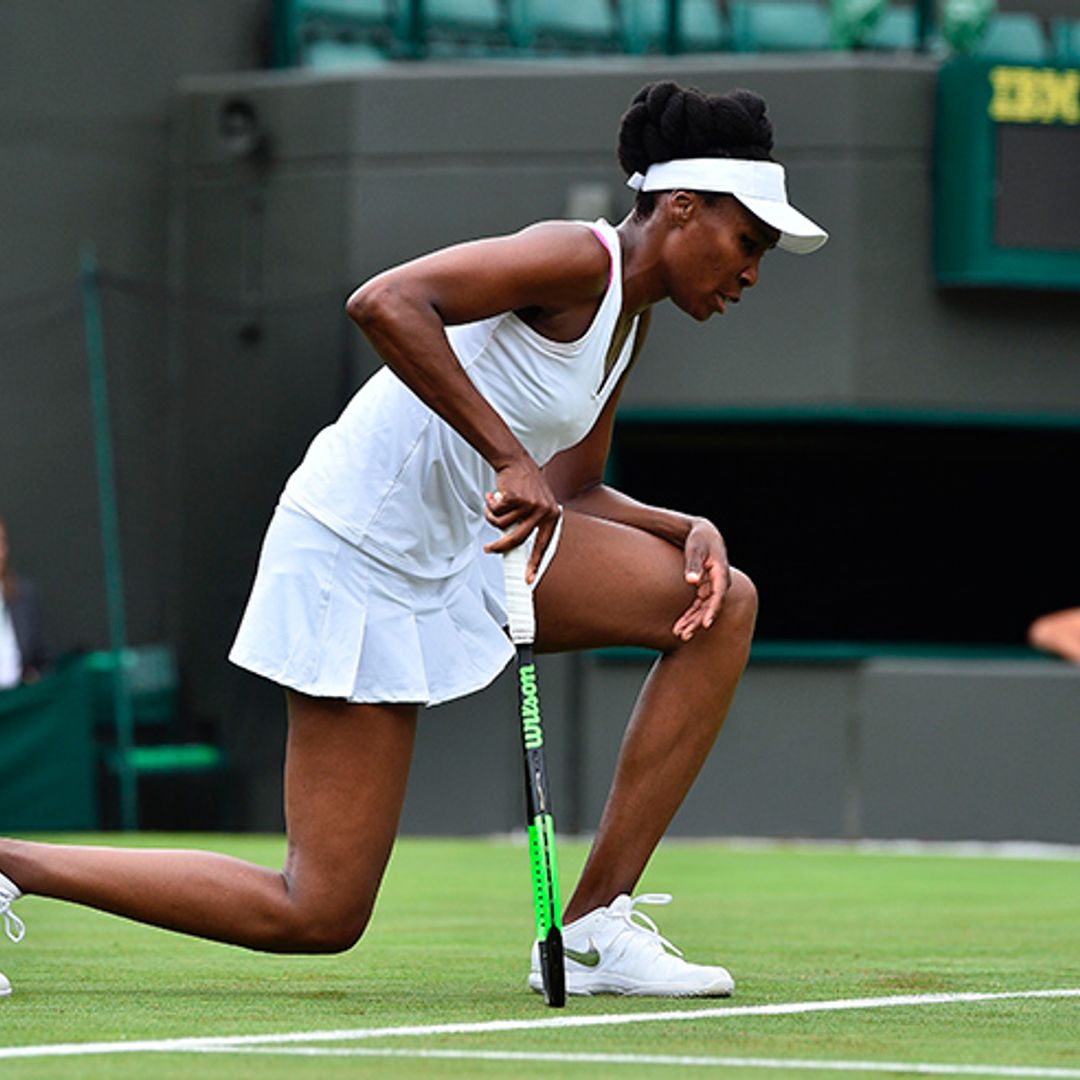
519,600
553,968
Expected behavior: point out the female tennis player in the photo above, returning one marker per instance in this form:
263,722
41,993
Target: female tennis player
379,586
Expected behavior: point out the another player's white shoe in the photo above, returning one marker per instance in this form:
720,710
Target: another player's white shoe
5,986
619,950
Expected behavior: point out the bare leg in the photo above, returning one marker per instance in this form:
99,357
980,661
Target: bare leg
614,585
345,775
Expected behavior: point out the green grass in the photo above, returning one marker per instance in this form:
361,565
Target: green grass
450,938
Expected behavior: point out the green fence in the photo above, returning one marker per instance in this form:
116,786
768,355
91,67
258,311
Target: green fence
48,757
61,762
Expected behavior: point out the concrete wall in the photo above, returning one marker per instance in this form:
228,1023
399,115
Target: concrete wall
84,140
882,749
362,171
228,349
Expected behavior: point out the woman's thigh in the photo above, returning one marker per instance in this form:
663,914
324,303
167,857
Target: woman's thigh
345,775
610,584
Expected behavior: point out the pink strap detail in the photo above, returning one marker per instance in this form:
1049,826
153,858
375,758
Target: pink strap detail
611,255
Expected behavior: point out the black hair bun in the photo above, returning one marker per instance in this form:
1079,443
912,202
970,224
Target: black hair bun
667,121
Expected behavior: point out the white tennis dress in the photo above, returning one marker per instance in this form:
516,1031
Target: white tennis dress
372,583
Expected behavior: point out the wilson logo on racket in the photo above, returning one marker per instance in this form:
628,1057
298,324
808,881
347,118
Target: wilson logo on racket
532,733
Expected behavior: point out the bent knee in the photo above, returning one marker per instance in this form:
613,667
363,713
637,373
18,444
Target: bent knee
332,936
318,933
741,601
733,627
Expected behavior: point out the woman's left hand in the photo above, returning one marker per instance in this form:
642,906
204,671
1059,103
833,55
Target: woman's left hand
707,569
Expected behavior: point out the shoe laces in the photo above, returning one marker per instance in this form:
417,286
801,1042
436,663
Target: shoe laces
13,925
642,924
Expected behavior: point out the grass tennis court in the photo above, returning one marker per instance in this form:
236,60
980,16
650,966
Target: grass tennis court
449,946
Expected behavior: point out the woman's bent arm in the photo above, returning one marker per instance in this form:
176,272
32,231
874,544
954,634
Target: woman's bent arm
404,313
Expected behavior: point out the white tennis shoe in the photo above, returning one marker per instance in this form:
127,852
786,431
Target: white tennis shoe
619,950
13,925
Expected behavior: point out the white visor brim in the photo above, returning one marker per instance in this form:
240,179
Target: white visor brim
759,185
798,234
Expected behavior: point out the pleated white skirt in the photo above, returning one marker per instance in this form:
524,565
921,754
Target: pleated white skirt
331,620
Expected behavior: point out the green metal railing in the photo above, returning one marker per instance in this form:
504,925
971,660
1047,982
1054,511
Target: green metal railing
403,30
110,533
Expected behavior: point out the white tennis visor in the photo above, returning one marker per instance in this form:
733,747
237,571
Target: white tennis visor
758,185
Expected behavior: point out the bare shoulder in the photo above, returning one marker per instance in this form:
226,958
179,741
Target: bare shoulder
549,266
573,237
569,258
572,247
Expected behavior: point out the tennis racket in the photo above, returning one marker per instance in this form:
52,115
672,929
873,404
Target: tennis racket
538,817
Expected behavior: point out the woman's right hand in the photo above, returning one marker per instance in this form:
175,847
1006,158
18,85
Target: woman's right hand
522,502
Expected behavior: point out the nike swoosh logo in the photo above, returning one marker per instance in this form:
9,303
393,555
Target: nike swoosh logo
587,959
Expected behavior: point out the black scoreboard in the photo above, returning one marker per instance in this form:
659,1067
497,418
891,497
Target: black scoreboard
1007,175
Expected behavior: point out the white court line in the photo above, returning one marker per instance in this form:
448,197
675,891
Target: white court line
922,1068
210,1043
1015,850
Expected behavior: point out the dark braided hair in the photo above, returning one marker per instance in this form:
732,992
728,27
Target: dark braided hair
667,121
